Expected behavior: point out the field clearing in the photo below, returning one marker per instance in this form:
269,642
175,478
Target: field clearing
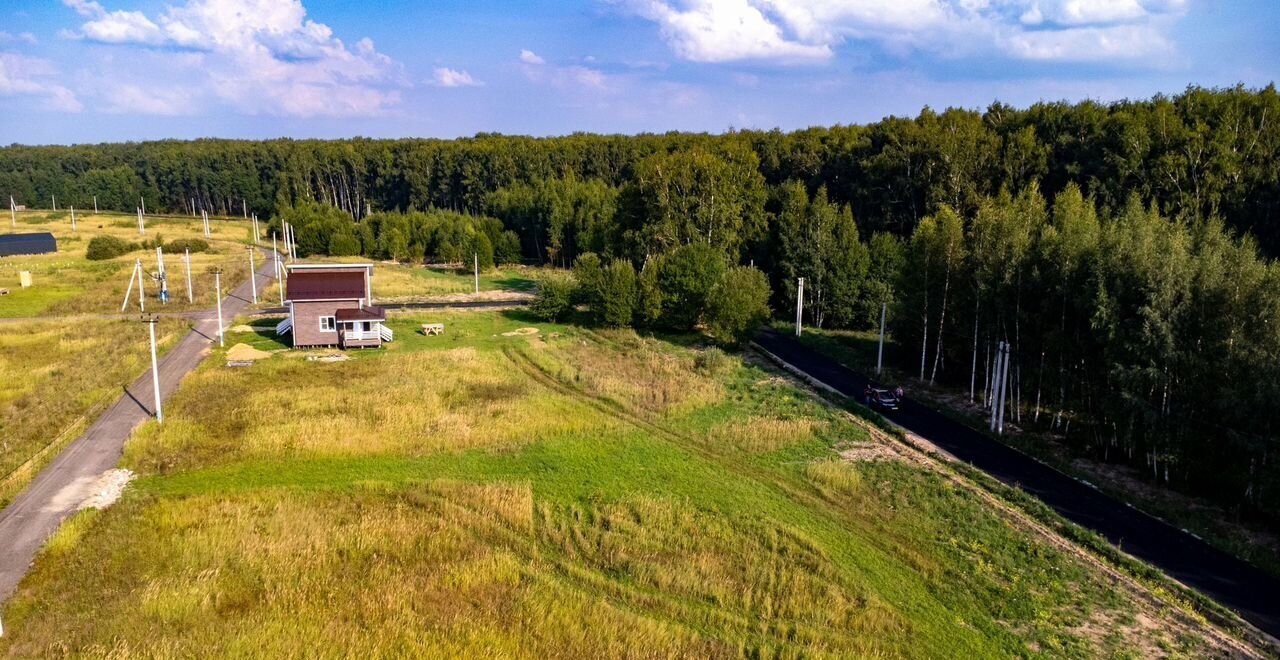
567,493
67,284
58,376
400,282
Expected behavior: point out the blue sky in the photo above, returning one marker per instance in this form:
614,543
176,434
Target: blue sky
74,71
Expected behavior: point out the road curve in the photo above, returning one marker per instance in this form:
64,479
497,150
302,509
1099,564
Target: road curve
1240,586
59,489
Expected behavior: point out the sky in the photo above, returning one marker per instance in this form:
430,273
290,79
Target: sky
87,71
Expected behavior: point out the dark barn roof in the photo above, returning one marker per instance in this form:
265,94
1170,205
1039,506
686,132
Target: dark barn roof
325,285
39,243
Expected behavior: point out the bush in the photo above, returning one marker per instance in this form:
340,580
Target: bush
686,276
554,299
618,294
738,305
107,247
183,244
344,245
711,361
588,270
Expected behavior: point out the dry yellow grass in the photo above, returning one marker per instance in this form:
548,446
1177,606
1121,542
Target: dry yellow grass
57,376
757,434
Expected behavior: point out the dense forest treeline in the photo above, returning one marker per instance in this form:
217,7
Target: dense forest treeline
1117,248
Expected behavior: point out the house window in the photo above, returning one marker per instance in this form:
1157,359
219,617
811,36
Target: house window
327,324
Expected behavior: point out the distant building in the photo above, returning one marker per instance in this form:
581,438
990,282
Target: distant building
38,243
331,305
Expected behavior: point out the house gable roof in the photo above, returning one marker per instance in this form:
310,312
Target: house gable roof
325,285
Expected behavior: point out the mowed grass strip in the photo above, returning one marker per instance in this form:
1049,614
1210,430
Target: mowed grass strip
442,498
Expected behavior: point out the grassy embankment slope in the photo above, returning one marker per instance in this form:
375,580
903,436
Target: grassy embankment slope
1246,539
572,493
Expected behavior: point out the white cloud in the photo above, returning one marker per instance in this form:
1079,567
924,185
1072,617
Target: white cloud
446,77
21,75
261,56
798,31
24,37
530,57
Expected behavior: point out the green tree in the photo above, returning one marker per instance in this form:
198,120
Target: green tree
738,305
686,276
554,299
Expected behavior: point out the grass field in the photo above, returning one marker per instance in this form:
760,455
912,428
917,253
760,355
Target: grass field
66,283
1252,541
399,282
58,376
569,493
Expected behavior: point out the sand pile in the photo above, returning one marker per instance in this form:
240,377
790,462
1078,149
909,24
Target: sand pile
246,352
107,489
521,331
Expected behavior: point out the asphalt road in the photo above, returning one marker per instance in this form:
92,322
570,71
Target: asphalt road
1240,586
59,489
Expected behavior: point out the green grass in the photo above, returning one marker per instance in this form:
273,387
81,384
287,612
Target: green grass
65,283
58,376
569,494
1254,543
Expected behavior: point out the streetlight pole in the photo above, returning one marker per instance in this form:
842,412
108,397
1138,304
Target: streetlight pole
190,295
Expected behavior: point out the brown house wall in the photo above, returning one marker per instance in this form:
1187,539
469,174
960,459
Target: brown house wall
306,322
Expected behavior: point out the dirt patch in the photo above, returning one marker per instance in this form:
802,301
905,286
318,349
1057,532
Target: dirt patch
867,451
241,328
245,352
107,489
521,331
337,357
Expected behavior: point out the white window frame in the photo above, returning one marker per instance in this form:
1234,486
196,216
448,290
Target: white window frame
333,324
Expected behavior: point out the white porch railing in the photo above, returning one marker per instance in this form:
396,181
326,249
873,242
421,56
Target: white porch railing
386,333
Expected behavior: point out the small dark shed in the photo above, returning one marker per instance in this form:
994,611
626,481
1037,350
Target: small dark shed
39,243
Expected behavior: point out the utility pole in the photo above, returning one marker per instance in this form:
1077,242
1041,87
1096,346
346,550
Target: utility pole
244,206
279,269
73,218
217,289
205,216
193,207
995,386
13,212
476,266
155,371
143,207
95,205
190,295
799,304
880,353
253,280
142,228
55,201
142,296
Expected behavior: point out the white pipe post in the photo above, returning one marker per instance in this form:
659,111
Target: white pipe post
279,268
880,353
142,296
244,206
55,201
95,205
293,242
476,266
73,218
190,295
13,212
217,291
193,207
155,371
1004,390
141,227
799,304
253,280
133,274
143,207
